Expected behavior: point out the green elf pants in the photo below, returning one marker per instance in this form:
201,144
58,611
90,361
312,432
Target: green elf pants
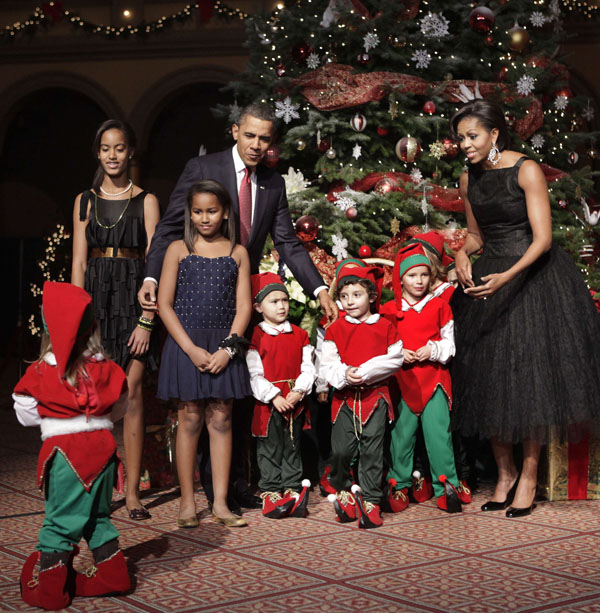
278,454
435,420
72,512
345,445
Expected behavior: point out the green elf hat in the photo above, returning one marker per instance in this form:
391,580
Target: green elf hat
411,256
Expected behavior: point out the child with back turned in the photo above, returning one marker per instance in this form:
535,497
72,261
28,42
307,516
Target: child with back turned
204,302
280,361
360,351
74,394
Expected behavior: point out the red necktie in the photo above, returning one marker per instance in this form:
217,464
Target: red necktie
245,201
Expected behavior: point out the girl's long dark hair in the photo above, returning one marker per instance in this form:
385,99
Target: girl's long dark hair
109,124
222,195
489,115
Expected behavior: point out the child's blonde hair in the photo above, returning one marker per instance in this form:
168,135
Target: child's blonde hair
438,272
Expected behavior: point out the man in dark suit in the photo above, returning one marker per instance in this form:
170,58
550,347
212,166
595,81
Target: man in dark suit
260,208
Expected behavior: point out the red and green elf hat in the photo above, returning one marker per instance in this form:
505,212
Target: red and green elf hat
410,257
68,314
265,283
434,243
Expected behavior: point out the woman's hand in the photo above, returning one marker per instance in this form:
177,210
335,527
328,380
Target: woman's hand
200,357
218,361
138,342
464,271
492,283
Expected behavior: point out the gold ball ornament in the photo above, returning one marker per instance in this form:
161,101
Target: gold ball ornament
331,153
518,38
300,144
408,149
592,153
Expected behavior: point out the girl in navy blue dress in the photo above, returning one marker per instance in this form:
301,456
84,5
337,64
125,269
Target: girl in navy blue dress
204,302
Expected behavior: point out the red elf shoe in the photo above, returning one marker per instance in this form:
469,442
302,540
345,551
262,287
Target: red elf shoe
397,499
344,505
422,488
464,492
301,501
325,486
107,577
369,513
276,507
52,589
449,501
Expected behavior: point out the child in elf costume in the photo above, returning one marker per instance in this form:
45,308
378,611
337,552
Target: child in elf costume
280,363
426,326
360,352
74,394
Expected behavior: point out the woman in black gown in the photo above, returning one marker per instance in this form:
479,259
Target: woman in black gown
113,224
527,332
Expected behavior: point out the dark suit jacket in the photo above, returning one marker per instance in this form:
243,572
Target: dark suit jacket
271,216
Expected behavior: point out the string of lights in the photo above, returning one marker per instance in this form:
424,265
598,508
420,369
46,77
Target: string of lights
53,12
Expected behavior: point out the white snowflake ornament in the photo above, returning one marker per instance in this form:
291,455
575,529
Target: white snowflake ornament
537,19
370,41
344,202
526,85
561,102
588,112
416,176
537,141
339,247
286,109
421,58
313,61
434,25
356,151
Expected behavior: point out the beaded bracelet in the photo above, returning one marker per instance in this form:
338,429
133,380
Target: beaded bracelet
234,344
145,321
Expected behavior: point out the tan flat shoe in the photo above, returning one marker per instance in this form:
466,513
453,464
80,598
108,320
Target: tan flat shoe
230,522
190,522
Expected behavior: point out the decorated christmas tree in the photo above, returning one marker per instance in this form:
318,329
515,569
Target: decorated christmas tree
365,89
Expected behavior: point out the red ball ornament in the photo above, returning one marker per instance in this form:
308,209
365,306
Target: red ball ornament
408,149
323,146
358,122
363,59
481,19
364,251
382,131
429,107
272,156
351,213
385,186
307,228
450,147
280,70
300,52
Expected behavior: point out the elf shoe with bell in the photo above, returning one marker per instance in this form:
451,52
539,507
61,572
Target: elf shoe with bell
52,588
422,488
397,499
325,486
300,500
464,492
449,500
108,574
275,506
369,514
344,505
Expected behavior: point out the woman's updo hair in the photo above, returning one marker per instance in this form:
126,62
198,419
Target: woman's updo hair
489,115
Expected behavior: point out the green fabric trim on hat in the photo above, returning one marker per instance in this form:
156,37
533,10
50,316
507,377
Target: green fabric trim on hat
413,260
267,289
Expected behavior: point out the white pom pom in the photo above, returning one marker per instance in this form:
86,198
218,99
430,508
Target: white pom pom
305,483
416,474
331,497
355,488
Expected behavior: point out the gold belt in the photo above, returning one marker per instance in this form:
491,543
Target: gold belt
112,252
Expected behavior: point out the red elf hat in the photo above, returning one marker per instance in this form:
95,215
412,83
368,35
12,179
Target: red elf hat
68,314
265,283
434,243
370,273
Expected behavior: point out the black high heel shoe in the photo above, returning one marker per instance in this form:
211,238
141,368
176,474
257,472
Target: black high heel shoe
515,512
490,505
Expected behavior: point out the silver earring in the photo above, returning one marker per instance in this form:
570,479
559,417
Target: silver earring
494,155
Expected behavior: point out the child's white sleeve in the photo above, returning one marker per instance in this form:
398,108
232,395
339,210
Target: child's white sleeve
444,349
332,369
26,409
262,389
307,375
382,366
320,384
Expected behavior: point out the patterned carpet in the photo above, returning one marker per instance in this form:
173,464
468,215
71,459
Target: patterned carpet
420,560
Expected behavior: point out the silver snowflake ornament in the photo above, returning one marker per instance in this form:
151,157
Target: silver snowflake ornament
313,61
421,58
286,109
370,40
561,102
526,85
356,151
434,25
537,19
344,203
339,247
537,141
588,112
416,176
